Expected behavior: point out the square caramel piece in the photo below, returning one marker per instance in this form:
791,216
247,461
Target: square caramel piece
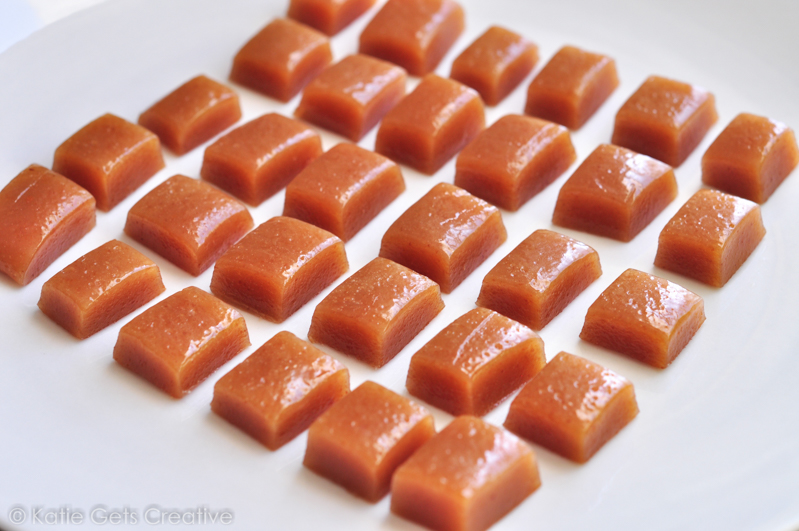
42,214
466,478
573,407
374,313
110,157
281,59
539,278
179,342
710,237
495,63
280,389
665,119
445,235
255,161
615,193
645,317
195,112
277,268
475,363
514,159
431,124
571,87
328,16
188,222
751,157
351,96
360,440
344,189
100,288
414,34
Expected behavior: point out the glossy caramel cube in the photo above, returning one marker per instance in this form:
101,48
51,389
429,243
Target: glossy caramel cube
374,313
573,407
42,214
615,193
513,160
328,16
710,237
539,278
280,389
361,440
665,119
110,157
343,190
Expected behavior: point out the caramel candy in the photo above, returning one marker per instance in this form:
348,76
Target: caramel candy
431,124
361,440
280,389
182,340
281,59
644,317
328,16
751,157
539,278
445,235
514,159
188,222
475,363
42,214
191,114
414,34
615,193
665,119
710,237
110,157
465,478
495,63
255,161
274,270
573,407
343,190
100,288
373,314
571,87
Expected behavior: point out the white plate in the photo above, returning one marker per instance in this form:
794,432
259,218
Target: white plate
716,445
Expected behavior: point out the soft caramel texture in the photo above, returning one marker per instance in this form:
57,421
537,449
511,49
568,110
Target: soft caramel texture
328,16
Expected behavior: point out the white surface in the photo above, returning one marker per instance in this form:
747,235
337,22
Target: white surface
716,445
17,20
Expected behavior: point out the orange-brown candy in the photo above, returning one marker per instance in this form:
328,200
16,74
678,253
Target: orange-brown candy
281,59
710,237
539,278
350,97
431,124
373,314
364,437
182,340
328,16
465,478
514,159
191,114
644,317
445,235
255,161
110,157
414,34
343,190
751,157
475,363
100,288
42,214
280,389
665,119
495,63
571,87
274,270
188,222
615,193
573,407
